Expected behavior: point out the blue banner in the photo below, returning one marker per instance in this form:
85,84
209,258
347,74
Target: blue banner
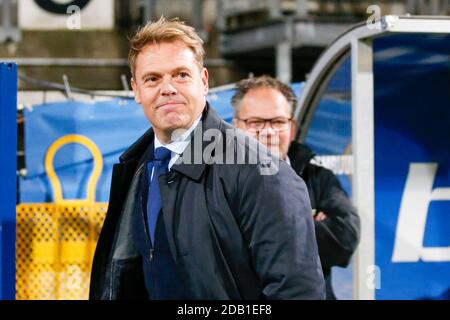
112,125
8,160
412,166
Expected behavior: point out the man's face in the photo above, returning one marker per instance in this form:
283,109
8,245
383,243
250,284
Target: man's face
170,86
268,104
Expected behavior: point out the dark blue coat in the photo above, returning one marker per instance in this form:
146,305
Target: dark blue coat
233,232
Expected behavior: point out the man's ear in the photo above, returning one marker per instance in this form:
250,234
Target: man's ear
235,122
205,76
137,96
293,129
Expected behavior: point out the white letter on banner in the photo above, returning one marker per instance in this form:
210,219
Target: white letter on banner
417,195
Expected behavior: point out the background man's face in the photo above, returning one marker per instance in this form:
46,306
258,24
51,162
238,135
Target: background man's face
170,86
267,103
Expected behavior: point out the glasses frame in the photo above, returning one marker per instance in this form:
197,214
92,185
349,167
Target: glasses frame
289,120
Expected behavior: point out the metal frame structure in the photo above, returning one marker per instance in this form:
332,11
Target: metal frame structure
357,42
283,35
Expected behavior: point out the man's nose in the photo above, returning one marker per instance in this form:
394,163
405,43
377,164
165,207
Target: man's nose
267,135
267,130
168,88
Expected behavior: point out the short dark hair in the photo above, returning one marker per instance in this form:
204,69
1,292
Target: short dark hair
264,81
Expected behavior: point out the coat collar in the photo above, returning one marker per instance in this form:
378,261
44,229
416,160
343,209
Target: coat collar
299,155
192,169
138,148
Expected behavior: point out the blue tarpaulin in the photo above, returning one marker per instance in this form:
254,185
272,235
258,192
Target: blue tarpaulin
412,114
113,125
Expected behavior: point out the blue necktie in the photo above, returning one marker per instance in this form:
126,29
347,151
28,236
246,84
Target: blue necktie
159,165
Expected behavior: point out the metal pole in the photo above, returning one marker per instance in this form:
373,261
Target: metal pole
124,80
148,9
197,19
274,9
67,87
363,186
284,55
284,61
6,17
411,7
221,20
302,9
435,7
197,14
7,30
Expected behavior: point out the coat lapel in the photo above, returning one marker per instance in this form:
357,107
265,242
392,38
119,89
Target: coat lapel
192,162
169,183
191,165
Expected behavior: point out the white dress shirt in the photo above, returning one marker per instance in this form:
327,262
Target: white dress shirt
178,145
288,161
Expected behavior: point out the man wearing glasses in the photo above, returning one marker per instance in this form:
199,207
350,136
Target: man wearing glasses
263,109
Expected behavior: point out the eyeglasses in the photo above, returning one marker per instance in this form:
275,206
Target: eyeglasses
257,124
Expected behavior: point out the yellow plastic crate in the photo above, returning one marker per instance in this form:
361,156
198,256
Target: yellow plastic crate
55,242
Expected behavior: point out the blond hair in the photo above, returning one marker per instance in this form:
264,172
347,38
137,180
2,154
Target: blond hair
165,30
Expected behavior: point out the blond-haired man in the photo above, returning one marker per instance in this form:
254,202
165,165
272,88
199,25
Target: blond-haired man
183,229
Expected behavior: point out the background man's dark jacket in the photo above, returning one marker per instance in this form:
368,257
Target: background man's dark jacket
233,232
338,235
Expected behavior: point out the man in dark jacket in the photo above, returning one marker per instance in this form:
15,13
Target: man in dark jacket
263,109
182,222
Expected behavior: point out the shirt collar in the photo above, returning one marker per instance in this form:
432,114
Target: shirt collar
181,142
288,160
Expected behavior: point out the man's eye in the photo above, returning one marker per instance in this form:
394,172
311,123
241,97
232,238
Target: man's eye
255,122
183,75
150,79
